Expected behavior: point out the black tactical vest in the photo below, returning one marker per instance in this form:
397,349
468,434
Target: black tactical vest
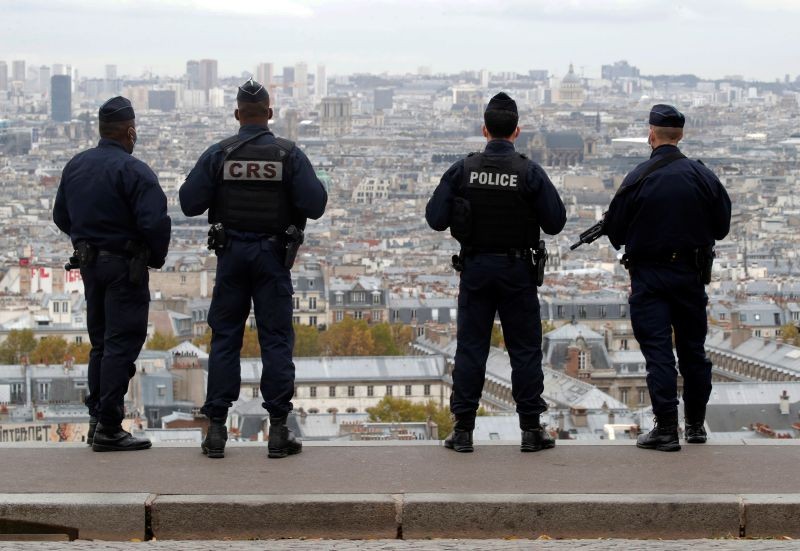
253,186
502,219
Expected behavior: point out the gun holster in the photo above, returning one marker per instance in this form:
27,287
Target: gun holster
539,258
294,237
138,256
83,256
704,261
217,240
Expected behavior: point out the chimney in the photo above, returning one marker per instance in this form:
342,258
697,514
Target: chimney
579,417
736,322
784,403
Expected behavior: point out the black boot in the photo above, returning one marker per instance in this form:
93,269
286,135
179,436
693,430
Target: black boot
114,439
214,444
281,440
694,429
664,436
534,437
92,429
460,439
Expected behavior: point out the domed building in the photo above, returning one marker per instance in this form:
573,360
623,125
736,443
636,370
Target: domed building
570,91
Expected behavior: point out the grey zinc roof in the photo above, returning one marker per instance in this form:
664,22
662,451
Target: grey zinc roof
563,140
758,351
358,368
572,331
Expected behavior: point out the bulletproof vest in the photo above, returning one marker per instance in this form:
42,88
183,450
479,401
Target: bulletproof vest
253,186
502,218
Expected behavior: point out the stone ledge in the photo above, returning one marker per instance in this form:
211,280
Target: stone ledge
87,516
350,516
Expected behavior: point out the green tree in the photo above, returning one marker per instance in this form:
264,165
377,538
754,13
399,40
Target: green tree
49,350
203,341
160,341
547,326
18,344
790,334
383,338
497,336
347,338
79,352
306,340
399,410
403,335
250,345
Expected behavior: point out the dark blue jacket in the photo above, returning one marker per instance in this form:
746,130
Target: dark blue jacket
679,207
197,192
538,189
108,197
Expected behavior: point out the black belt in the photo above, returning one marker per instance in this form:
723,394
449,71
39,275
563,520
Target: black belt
112,253
667,257
513,253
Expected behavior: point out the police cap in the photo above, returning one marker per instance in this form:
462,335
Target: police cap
116,109
666,115
502,102
252,92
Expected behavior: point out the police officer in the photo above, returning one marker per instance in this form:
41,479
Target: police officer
668,213
115,212
255,187
495,203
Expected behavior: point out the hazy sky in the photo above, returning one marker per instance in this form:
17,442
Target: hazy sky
711,38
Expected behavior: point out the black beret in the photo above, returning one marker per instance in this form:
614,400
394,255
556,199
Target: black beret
666,115
502,102
116,109
252,92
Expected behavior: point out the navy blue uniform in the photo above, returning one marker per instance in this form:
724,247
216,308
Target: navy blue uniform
106,198
498,284
251,268
674,211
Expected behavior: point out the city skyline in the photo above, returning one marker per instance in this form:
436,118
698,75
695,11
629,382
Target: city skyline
742,37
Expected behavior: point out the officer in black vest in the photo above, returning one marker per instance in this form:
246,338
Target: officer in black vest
495,202
668,213
258,190
115,212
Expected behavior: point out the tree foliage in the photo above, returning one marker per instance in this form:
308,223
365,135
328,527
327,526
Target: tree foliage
790,334
400,410
18,345
49,350
497,336
79,352
306,340
161,341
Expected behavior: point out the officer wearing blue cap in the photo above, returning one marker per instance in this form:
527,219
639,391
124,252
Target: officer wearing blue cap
115,212
668,212
258,190
495,203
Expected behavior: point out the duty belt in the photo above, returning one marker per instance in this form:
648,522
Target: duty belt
685,256
512,253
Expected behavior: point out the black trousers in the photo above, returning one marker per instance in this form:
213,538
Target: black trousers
116,315
251,271
497,284
666,298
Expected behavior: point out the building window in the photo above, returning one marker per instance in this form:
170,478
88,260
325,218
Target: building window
370,390
183,279
602,311
312,321
310,283
395,315
78,339
642,396
581,360
758,332
413,314
351,391
420,330
377,315
296,303
427,390
623,395
332,391
582,312
623,344
312,303
358,314
776,318
255,393
312,391
623,310
351,410
376,298
296,320
312,411
17,392
339,298
43,391
338,315
560,312
408,390
56,307
722,316
358,296
388,390
162,391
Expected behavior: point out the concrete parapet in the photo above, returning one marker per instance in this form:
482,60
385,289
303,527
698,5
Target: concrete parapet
85,516
772,515
352,516
570,516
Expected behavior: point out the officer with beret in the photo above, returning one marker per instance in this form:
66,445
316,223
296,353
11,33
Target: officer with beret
115,212
668,213
495,203
259,190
